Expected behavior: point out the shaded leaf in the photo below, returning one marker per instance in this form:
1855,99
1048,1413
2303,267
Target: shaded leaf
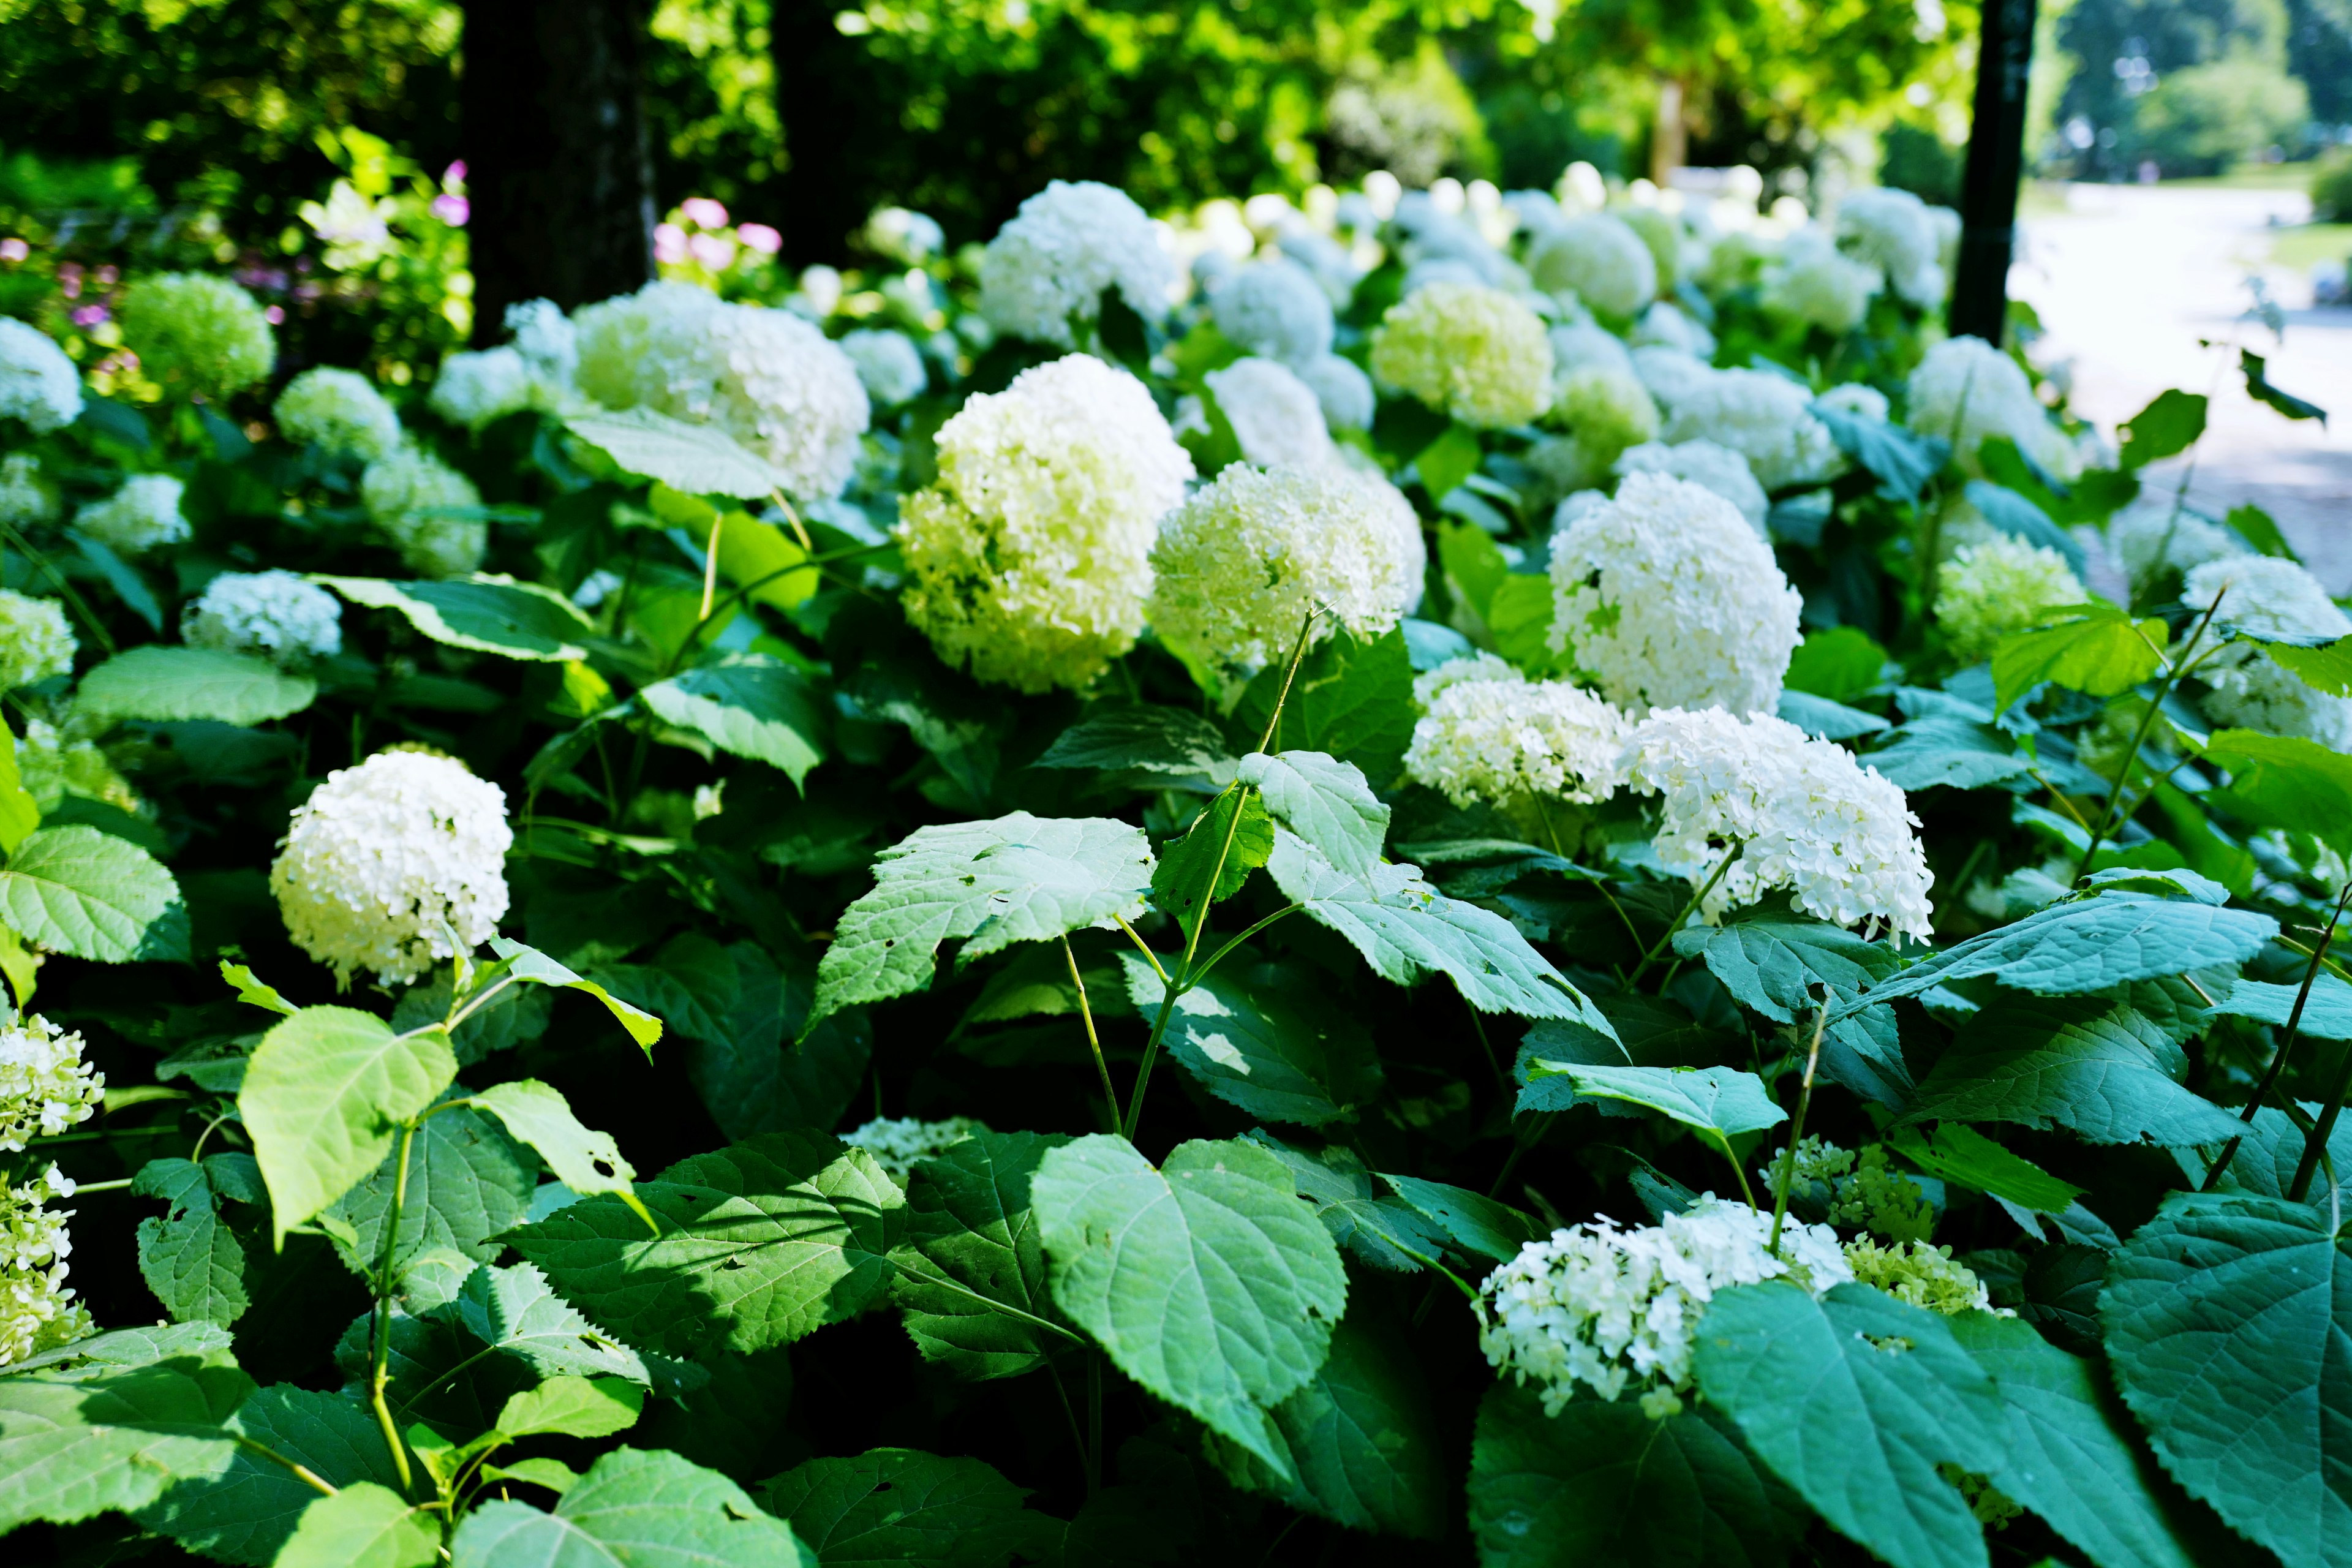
1262,1038
971,1271
161,682
643,1509
2093,1067
694,458
749,705
486,613
902,1506
77,890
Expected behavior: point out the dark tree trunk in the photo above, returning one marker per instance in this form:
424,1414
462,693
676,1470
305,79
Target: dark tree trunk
828,91
556,161
1996,164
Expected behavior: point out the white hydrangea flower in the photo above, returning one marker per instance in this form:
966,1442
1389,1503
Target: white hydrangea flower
144,514
1671,375
37,383
1575,344
904,236
1667,325
1067,244
197,332
768,378
45,1086
1475,353
277,614
1968,392
475,388
1788,810
37,640
338,410
1276,416
418,501
2266,595
1605,411
2151,539
1666,598
899,1144
547,340
1854,397
1276,308
2246,687
1238,566
1343,389
1662,231
1488,733
1891,231
2003,584
1718,468
1597,257
1619,1310
1816,283
889,366
25,499
1031,556
38,1311
1764,418
384,855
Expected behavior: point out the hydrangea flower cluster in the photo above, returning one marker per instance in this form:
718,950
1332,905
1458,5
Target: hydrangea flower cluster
25,499
38,1311
1238,567
1922,1274
1475,351
768,378
889,366
1343,389
1666,598
421,504
1876,1197
1486,733
1278,310
45,1086
899,1144
548,341
1968,392
1614,1310
1896,233
36,641
1816,283
199,332
1048,267
144,514
1766,418
37,383
1597,257
1753,804
475,387
338,410
275,613
2149,540
1031,557
1276,417
1987,591
1864,403
386,859
1605,411
1707,465
2244,685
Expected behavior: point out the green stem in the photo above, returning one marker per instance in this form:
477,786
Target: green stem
2287,1045
302,1473
80,606
1094,1042
1796,1131
379,1375
1087,1466
1676,923
1273,719
710,568
2139,738
1747,1192
116,1186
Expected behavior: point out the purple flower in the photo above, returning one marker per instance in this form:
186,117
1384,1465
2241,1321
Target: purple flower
452,210
91,315
13,249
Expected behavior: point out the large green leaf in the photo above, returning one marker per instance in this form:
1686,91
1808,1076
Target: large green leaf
1017,879
1774,964
322,1096
749,705
246,1512
1261,1036
586,1161
468,1180
1960,1153
633,1507
2167,426
1351,700
1478,1227
362,1526
1325,802
193,1263
574,1407
1604,1483
1167,746
902,1506
1901,461
513,1312
77,890
1854,1400
2105,654
1948,750
2226,1319
694,458
1227,839
760,1243
1717,1103
2284,781
2327,667
971,1271
165,683
2093,1067
1378,1229
2327,1011
528,964
486,613
1207,1281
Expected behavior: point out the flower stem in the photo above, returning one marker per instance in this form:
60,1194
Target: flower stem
1094,1042
379,1375
2172,675
1676,923
1796,1131
2286,1044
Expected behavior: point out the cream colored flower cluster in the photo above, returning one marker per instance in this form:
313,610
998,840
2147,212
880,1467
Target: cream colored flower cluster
889,366
1987,591
1766,418
1815,282
427,510
899,1145
1896,233
2246,687
1922,1274
1278,310
1969,393
1049,266
197,332
1031,558
25,498
38,1311
36,641
1277,418
1707,465
275,613
1474,352
37,383
140,515
1597,257
1488,733
338,411
46,1087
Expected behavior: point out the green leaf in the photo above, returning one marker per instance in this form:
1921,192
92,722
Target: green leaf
2327,1012
2259,389
488,612
2090,1065
1717,1103
246,1512
902,1506
322,1096
586,1161
2170,424
971,1271
1207,1281
1017,879
2072,1456
2275,780
2020,517
1404,929
1351,699
467,1182
76,891
749,705
1445,462
1962,1154
19,812
1229,839
2105,654
529,964
1604,1483
249,989
1170,745
695,459
514,1311
2265,1161
738,1423
762,1243
1854,1399
574,1407
2259,529
2327,667
192,1263
1826,721
1264,1039
362,1526
1901,461
1948,750
1838,663
164,683
642,1510
1519,621
1478,1226
1773,964
2226,1317
553,1474
1377,1229
1325,803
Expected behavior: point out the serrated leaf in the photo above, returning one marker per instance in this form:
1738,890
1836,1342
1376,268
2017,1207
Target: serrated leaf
165,683
362,1526
249,989
761,1243
77,890
1171,745
971,1271
322,1095
902,1506
1206,1280
1350,700
488,612
2327,667
2105,654
2170,424
515,1311
2226,1317
2278,781
1854,1399
642,1510
1325,802
574,1407
586,1161
1262,1038
1230,837
1717,1103
1945,749
694,458
2093,1067
1478,1226
529,964
193,1264
1382,1230
246,1512
1774,965
2271,1150
2327,1011
749,705
467,1182
1962,1154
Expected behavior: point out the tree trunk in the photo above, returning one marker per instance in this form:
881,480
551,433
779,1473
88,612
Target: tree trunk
557,168
827,90
1996,164
1670,138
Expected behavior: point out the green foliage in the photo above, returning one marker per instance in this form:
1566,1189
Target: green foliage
970,1274
488,613
694,459
157,682
895,1505
633,1506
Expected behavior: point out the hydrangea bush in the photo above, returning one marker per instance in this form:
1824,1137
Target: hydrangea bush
1427,878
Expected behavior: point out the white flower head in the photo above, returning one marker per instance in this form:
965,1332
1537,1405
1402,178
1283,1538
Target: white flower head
889,366
37,1311
1787,811
428,511
1069,242
1894,232
1276,417
1718,468
1857,398
899,1144
2245,686
1276,308
2148,540
144,514
1671,375
1597,257
25,498
547,340
197,332
2000,586
46,1087
275,613
37,383
338,410
1968,392
1669,325
1031,556
385,860
1474,352
1764,418
1343,389
904,236
2265,595
1238,567
1486,733
475,388
1819,284
1575,344
37,640
1666,598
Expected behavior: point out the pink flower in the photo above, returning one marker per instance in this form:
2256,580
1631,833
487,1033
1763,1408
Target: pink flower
670,244
452,210
454,175
760,237
704,212
13,250
715,251
91,315
275,315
